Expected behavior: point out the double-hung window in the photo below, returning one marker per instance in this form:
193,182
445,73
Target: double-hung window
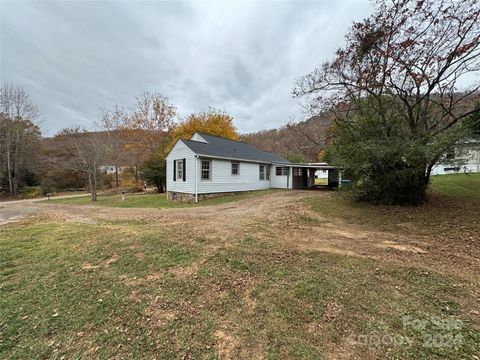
206,170
235,168
267,172
180,170
281,170
261,173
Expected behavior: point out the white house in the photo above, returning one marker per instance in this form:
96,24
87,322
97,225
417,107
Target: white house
112,169
206,165
465,157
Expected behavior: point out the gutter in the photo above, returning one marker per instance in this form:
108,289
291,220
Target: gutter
238,159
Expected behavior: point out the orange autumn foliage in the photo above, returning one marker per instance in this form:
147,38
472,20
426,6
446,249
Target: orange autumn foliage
213,122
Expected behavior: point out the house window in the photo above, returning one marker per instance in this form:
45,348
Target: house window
281,170
235,168
261,169
180,169
267,172
206,169
297,171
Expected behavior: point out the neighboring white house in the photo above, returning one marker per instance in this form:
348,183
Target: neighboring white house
112,169
208,164
463,158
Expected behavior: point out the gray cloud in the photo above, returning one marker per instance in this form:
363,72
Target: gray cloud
242,57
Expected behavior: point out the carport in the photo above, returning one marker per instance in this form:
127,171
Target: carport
304,175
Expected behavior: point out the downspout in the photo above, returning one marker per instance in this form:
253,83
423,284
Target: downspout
288,178
195,177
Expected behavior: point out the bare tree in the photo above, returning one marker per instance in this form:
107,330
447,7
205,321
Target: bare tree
85,152
151,119
114,122
18,130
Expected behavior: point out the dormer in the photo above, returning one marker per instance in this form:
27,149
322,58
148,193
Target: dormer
198,137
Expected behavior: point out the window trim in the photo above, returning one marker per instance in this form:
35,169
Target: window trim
261,171
284,170
238,168
209,169
177,165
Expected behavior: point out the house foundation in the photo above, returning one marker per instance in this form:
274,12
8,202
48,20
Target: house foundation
190,198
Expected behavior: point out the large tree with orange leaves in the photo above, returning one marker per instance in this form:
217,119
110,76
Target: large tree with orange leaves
213,122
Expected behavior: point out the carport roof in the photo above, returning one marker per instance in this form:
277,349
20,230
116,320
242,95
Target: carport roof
317,166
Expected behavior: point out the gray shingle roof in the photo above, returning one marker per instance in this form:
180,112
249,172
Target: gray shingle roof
230,149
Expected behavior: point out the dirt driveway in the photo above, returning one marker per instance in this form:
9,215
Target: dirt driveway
12,211
270,231
282,217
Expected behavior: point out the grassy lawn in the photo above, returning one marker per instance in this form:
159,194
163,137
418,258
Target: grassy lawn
458,185
321,181
156,200
66,293
144,289
453,206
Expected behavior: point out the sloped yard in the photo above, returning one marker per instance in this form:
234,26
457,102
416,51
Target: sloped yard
283,275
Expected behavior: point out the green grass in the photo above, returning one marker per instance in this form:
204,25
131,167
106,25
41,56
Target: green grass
321,181
451,210
83,291
458,185
139,289
155,200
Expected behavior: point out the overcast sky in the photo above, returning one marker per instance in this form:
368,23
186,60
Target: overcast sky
242,57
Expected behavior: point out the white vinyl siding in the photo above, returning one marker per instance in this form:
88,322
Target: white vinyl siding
181,151
467,161
222,179
283,181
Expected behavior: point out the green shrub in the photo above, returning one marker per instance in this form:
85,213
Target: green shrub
29,192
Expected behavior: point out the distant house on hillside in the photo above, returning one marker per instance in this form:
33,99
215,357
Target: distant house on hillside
112,169
465,157
206,165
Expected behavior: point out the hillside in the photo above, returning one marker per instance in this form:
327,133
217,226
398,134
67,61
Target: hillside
305,138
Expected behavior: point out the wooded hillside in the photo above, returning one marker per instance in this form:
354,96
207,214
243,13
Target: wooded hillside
302,141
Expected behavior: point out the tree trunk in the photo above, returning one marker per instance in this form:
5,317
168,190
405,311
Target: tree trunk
15,164
94,192
117,182
90,185
9,165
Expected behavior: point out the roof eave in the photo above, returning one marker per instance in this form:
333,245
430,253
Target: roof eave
236,159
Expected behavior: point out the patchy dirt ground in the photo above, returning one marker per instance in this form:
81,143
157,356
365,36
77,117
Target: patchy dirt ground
287,220
284,219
